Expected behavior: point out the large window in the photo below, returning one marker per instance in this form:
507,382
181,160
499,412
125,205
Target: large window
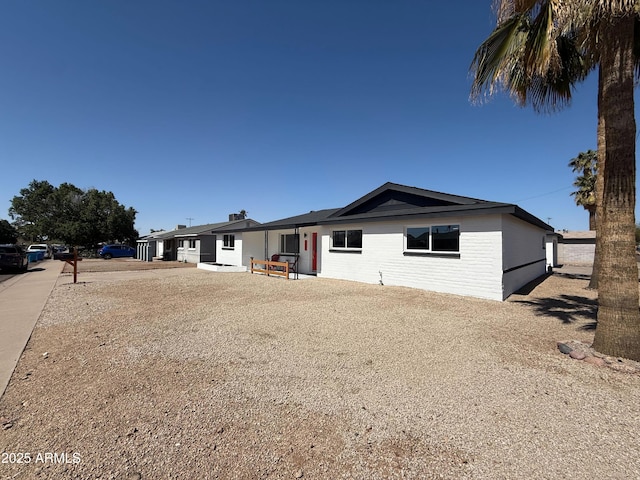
347,239
229,241
290,243
435,238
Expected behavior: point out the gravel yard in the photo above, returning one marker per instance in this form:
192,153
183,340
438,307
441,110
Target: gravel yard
182,373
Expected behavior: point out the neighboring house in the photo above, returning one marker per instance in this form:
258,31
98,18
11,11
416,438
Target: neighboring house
196,244
552,249
158,244
149,246
295,239
577,248
406,236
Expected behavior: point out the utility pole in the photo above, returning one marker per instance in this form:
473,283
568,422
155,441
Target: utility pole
190,218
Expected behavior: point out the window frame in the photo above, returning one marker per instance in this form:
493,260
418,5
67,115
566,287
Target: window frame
283,244
430,250
347,247
228,241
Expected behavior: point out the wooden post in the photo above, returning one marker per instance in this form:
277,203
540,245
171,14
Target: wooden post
75,265
72,260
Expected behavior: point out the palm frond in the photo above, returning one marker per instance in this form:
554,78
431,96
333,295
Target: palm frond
494,55
552,90
541,54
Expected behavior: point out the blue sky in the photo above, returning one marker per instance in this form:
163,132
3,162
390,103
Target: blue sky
193,110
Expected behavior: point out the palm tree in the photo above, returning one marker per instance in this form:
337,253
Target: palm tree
585,196
539,50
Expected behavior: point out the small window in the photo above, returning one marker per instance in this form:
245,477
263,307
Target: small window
180,243
347,239
418,238
229,241
290,243
192,244
354,238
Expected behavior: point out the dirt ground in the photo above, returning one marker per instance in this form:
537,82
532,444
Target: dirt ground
181,373
123,265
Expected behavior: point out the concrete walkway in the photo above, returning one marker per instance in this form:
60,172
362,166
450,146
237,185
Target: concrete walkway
22,299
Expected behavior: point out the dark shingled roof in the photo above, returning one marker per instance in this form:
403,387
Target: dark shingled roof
202,229
314,217
393,201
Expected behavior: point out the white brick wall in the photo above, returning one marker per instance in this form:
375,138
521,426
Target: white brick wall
252,246
227,256
477,272
186,254
523,243
488,244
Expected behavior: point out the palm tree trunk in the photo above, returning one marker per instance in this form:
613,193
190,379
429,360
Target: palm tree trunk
599,187
618,328
592,217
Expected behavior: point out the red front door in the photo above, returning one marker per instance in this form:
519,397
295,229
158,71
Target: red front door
314,251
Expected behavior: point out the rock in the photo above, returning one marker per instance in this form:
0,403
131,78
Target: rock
595,361
577,355
564,348
7,426
299,474
220,430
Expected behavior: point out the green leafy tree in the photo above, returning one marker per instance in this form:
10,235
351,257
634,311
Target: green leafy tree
539,50
32,211
104,219
72,215
8,233
585,196
68,200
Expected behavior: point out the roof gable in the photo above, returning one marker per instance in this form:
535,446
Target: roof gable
393,197
393,202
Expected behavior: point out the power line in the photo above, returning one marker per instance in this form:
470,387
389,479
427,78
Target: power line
543,194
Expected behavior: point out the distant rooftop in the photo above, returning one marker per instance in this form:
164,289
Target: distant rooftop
577,234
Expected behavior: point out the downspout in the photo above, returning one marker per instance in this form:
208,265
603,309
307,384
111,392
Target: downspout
266,245
297,257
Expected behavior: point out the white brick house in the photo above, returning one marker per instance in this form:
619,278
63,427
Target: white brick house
407,236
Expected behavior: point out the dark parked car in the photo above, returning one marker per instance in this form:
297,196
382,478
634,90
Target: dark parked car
13,257
58,251
116,251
